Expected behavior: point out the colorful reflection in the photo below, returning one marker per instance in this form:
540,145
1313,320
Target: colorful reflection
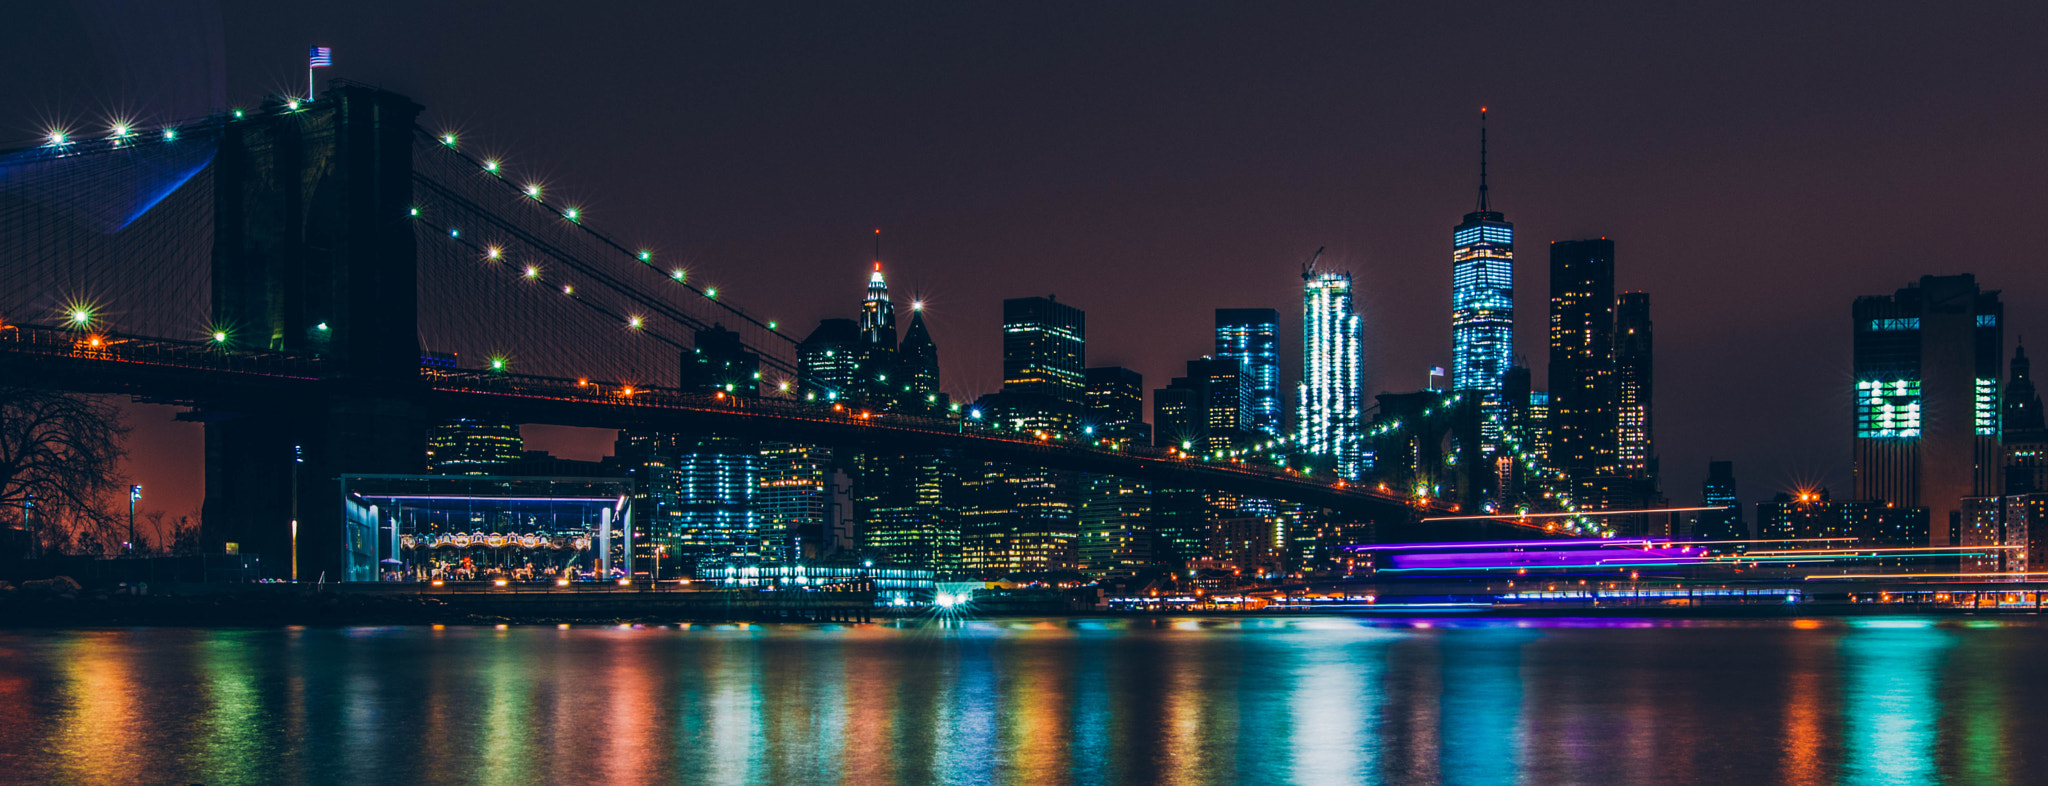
1041,703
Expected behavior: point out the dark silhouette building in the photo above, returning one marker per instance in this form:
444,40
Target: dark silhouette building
1582,378
1719,489
2024,433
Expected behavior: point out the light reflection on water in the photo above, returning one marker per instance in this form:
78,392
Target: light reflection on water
1032,702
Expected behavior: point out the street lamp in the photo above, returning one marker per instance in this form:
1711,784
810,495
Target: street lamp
134,493
298,457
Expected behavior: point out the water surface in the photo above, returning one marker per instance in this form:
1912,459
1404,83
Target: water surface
1036,702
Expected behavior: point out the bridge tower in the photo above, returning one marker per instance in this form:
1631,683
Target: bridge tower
314,253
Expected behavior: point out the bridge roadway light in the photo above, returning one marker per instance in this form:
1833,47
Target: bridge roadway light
491,165
170,134
58,137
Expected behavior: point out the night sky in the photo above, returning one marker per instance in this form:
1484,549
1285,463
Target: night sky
1758,167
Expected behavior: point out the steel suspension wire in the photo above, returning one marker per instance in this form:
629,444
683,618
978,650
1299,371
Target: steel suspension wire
111,234
775,351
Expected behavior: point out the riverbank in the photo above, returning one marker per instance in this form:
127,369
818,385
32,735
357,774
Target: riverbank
266,605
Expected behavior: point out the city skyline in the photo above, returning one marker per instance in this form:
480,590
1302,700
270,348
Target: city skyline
1701,269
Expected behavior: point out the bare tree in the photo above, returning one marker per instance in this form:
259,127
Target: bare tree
59,459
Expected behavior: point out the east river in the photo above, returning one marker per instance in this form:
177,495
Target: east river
1037,702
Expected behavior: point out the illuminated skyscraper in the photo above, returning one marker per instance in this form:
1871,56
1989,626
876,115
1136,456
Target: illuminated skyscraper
1927,401
1250,336
1116,405
1327,409
1582,357
794,498
905,505
1635,450
1483,304
1044,366
1044,348
877,314
467,446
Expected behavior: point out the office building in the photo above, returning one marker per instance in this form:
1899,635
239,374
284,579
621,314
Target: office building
1927,398
878,313
1327,407
905,504
1115,399
1719,490
1483,306
469,446
2024,432
2010,532
1116,526
1635,449
917,368
1582,383
1250,336
1044,348
1811,514
794,499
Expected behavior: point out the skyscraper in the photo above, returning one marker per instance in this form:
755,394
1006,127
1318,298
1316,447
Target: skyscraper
1483,303
793,499
1044,348
468,446
828,361
877,314
1582,397
1328,406
1635,452
721,362
917,366
1719,490
1116,404
1926,373
1250,336
906,510
2025,431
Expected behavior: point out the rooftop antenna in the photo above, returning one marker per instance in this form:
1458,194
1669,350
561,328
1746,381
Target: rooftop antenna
1482,159
878,248
1308,269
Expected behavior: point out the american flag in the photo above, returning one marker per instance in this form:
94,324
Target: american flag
320,57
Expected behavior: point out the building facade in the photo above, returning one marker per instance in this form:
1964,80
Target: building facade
1926,382
1250,336
1327,408
1483,306
468,446
1582,384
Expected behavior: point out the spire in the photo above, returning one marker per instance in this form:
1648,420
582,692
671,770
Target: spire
877,314
1482,159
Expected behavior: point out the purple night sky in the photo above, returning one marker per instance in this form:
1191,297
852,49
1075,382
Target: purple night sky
1758,166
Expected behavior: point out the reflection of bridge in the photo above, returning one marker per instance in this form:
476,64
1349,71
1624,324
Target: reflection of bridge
335,239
